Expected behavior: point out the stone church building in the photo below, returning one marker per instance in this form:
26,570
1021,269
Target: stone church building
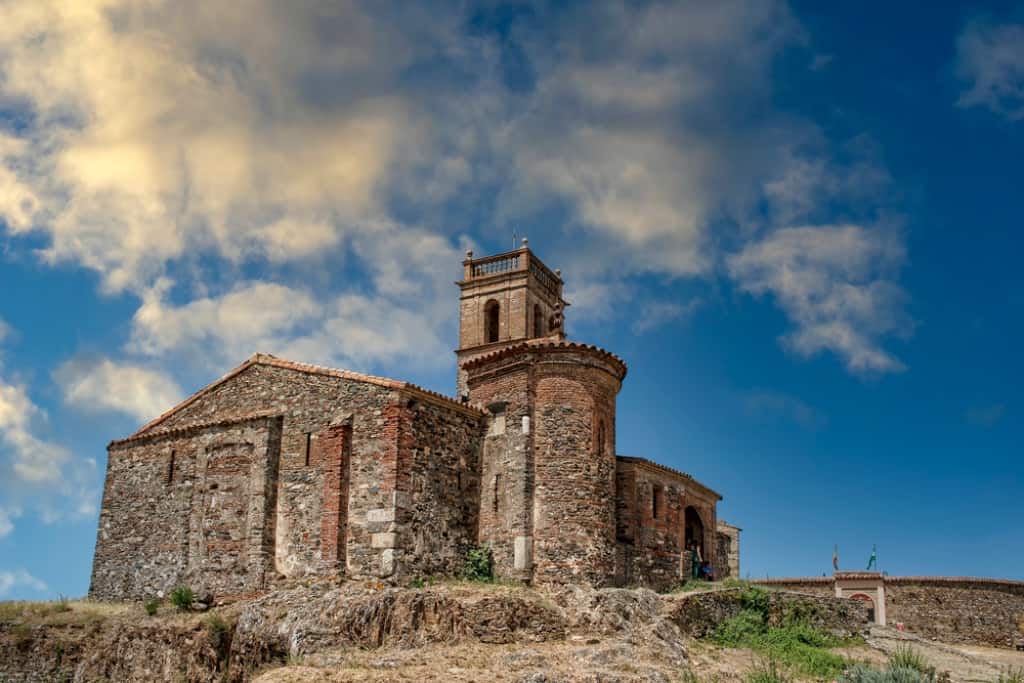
283,469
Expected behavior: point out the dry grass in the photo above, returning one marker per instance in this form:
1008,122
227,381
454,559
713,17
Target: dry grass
87,612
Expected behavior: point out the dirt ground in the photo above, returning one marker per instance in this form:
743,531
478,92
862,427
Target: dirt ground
597,660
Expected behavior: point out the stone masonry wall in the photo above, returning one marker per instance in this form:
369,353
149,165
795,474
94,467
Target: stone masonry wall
309,403
438,516
823,586
506,469
957,610
190,506
574,470
549,454
651,534
728,555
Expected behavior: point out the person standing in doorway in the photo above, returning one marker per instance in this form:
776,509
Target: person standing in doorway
695,560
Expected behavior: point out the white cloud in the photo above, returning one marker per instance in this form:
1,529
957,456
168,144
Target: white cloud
19,578
990,60
7,520
34,460
252,316
267,157
834,282
97,385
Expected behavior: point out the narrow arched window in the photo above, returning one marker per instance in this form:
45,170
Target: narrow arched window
599,444
492,321
538,321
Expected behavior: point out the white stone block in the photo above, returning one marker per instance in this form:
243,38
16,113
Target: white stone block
387,563
381,515
523,552
384,540
526,424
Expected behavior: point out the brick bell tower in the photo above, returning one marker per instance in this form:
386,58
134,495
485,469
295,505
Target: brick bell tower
505,299
547,467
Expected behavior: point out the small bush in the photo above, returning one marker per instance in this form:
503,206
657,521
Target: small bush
741,630
417,583
755,599
182,597
218,633
62,604
861,673
905,657
479,565
152,605
768,672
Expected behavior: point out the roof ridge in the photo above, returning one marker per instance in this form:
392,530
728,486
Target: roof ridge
193,426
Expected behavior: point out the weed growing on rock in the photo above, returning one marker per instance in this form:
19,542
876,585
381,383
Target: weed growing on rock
182,597
151,606
479,565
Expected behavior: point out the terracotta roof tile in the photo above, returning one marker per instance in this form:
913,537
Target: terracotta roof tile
543,343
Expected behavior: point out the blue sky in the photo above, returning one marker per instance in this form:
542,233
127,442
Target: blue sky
799,225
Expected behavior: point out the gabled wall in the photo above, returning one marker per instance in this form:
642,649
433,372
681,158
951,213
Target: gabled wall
192,506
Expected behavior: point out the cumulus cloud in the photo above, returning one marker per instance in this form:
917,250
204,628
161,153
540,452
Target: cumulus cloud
19,578
834,283
250,171
101,384
34,471
990,61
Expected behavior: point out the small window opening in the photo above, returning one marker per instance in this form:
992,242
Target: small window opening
170,469
492,318
309,439
656,503
600,443
497,491
538,321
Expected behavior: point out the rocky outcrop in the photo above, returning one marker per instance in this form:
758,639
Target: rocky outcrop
230,644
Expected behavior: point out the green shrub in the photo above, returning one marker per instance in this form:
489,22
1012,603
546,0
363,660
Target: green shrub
182,597
218,634
151,605
741,630
417,583
755,599
799,645
768,671
861,673
479,565
906,657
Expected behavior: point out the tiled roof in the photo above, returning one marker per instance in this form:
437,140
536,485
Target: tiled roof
545,343
273,361
668,470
